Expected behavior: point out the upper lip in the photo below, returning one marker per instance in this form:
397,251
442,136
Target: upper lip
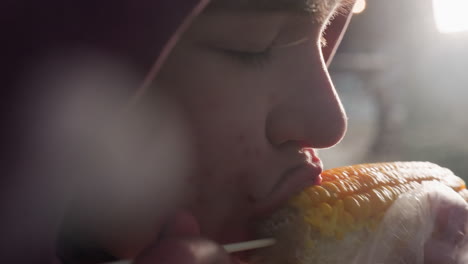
292,181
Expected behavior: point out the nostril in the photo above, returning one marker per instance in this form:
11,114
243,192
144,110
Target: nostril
311,155
303,144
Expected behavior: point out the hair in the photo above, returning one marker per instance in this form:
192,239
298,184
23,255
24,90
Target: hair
320,9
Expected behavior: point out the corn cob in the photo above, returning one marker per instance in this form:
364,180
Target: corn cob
344,210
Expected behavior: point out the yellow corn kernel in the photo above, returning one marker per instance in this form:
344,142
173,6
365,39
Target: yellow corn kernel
378,201
301,200
365,202
325,209
348,219
314,195
331,188
357,196
324,195
342,187
352,206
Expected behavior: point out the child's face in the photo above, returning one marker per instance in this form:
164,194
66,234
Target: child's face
254,90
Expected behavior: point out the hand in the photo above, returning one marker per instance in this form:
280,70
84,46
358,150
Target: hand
182,244
188,250
449,242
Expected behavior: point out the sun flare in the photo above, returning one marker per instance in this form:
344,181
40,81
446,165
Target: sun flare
450,15
359,7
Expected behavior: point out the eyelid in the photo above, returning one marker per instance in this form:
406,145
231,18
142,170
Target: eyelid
257,58
290,44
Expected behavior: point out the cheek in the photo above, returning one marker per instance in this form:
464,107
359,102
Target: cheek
226,176
223,103
248,150
222,200
226,105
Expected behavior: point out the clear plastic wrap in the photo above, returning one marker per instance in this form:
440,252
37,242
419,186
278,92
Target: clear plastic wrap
426,225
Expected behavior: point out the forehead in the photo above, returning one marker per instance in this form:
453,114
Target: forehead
318,8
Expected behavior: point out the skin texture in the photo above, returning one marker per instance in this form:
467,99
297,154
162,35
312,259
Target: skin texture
260,114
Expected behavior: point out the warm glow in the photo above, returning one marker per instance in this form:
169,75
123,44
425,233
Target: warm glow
359,6
450,15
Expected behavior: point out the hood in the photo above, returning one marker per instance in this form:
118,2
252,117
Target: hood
139,33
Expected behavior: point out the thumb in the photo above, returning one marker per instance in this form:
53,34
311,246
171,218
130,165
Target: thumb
190,250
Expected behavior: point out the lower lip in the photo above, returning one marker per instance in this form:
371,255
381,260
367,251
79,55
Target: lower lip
292,183
303,177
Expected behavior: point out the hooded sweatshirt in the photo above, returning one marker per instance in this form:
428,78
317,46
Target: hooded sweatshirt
37,37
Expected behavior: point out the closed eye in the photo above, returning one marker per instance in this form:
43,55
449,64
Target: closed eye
251,58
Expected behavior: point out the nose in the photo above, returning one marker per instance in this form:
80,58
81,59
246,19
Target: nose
307,109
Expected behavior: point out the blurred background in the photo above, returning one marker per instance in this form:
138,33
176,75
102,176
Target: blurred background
402,74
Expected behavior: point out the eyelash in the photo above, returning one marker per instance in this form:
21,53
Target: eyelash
263,57
251,58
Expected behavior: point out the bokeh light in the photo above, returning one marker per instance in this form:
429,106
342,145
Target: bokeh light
359,7
450,15
403,85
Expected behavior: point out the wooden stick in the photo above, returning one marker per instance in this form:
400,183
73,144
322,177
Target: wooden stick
230,248
248,245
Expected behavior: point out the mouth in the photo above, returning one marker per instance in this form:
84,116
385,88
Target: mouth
291,182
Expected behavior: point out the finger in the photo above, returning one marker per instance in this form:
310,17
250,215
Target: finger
181,224
436,252
451,223
184,251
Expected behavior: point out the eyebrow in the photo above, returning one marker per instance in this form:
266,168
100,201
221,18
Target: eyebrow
295,6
